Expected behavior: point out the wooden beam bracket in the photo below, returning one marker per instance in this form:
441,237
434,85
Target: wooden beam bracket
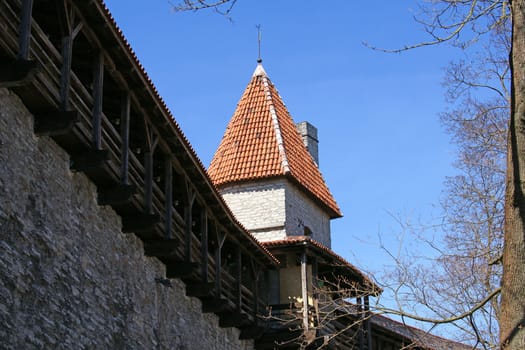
200,289
55,123
180,269
116,195
139,223
251,332
214,305
89,160
161,248
233,319
17,72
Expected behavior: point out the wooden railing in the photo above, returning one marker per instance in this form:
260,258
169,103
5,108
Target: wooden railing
47,85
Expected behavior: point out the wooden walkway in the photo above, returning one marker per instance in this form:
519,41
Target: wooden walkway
77,75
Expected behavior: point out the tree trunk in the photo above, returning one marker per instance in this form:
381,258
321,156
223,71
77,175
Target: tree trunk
512,318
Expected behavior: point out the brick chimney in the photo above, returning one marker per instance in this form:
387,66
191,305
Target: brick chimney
308,133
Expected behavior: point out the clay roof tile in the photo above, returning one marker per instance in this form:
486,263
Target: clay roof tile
261,141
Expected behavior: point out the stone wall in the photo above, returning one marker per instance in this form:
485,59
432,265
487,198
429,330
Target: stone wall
273,209
302,212
69,279
260,207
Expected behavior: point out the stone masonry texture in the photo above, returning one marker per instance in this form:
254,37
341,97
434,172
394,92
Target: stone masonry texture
69,278
272,209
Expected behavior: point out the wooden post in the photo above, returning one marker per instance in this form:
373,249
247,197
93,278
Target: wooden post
124,136
367,323
67,56
148,181
98,89
168,196
204,245
188,218
24,37
65,74
304,290
360,326
256,274
152,141
221,238
315,282
238,263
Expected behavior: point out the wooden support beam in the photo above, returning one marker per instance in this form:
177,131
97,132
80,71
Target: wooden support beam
151,143
204,245
139,222
89,160
24,30
200,289
168,195
367,323
233,319
188,220
238,279
55,123
65,71
180,269
256,272
214,305
251,332
161,248
361,336
148,181
16,72
98,93
67,55
304,290
115,195
221,238
124,136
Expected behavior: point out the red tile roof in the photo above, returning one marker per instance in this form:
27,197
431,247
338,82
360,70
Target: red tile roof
261,141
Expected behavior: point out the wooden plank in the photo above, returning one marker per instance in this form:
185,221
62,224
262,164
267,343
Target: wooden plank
98,93
124,137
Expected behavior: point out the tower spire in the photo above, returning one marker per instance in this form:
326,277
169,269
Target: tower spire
259,59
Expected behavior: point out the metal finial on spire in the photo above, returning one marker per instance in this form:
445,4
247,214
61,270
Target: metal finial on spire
259,59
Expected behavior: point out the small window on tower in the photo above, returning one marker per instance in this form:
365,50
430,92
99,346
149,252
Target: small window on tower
307,231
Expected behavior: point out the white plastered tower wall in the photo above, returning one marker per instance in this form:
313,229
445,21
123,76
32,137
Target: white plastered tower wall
273,209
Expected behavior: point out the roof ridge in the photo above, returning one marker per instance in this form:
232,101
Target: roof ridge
276,124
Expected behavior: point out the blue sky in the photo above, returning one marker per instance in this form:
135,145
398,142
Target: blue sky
382,149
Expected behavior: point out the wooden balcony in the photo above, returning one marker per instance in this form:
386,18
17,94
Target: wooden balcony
88,92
